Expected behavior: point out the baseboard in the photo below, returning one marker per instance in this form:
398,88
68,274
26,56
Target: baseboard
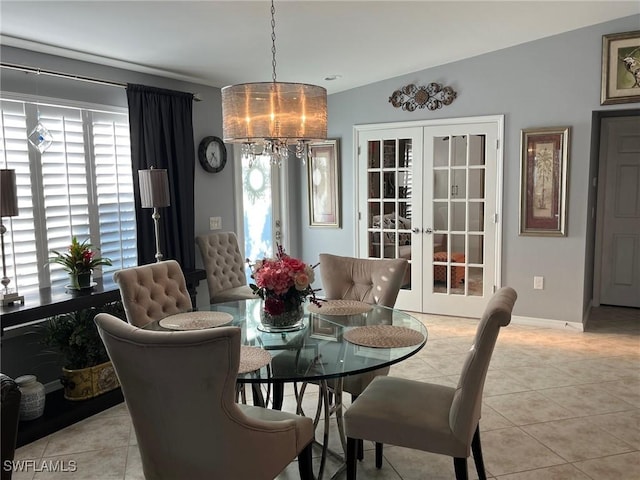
547,323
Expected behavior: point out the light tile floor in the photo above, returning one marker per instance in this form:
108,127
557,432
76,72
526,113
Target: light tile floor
558,404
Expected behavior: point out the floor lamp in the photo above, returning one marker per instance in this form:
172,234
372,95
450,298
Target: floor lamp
8,208
154,193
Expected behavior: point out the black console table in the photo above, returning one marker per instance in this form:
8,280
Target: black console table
56,300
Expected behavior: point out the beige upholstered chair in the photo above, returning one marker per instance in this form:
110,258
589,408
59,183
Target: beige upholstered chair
367,280
152,292
430,417
225,267
179,390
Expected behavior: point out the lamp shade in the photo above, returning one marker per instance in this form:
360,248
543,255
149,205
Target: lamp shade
154,188
8,193
253,112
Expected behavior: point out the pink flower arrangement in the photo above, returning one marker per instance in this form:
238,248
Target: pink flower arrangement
282,282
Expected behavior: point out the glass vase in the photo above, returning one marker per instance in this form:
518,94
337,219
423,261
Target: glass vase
287,321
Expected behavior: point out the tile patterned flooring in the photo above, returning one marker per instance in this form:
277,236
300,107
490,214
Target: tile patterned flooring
559,405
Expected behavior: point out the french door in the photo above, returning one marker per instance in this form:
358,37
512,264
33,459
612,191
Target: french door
428,192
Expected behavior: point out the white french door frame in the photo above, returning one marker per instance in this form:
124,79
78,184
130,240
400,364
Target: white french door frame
495,120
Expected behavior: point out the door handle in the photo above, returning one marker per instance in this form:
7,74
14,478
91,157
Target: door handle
428,230
415,230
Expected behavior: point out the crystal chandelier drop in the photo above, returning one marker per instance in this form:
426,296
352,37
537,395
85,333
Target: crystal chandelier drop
268,118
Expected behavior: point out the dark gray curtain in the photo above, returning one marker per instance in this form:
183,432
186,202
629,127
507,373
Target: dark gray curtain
161,126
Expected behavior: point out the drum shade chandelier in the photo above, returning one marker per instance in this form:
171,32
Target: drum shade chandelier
269,117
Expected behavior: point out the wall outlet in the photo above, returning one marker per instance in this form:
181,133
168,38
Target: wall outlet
215,223
538,283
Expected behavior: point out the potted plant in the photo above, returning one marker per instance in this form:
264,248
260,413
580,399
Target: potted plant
79,261
87,371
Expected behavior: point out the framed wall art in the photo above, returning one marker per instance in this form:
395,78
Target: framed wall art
620,68
543,181
323,329
324,187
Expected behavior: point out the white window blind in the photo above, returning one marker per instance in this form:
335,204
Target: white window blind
80,186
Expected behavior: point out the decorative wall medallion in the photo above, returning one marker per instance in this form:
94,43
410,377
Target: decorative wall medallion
433,96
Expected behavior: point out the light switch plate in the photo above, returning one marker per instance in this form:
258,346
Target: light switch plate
215,223
538,283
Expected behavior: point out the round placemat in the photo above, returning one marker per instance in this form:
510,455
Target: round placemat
383,336
196,320
340,307
253,358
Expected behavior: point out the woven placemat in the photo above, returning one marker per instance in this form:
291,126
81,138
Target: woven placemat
253,358
384,336
196,320
340,307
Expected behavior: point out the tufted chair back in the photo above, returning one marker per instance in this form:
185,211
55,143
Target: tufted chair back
196,430
367,280
225,267
152,292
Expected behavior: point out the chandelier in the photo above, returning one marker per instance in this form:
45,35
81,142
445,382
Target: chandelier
269,118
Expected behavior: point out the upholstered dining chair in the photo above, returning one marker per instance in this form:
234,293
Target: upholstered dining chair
179,390
224,265
152,292
374,281
431,417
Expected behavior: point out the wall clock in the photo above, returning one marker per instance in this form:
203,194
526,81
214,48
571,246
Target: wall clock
212,154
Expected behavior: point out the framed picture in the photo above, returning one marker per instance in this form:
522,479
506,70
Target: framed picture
323,329
543,181
324,188
620,68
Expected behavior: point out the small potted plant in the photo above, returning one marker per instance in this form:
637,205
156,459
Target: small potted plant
79,261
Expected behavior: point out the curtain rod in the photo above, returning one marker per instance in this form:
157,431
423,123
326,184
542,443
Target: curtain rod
53,73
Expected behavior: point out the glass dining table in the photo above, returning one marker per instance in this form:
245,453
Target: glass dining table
341,340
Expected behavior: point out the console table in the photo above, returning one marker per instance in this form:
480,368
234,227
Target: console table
56,300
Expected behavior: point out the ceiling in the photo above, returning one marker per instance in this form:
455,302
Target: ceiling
219,43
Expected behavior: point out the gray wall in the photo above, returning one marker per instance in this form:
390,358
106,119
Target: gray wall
549,82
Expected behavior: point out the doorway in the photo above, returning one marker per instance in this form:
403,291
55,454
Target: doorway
617,246
431,192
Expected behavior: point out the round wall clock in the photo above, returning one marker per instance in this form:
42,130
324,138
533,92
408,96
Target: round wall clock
212,154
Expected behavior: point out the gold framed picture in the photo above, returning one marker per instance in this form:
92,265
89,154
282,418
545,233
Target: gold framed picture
620,68
543,181
324,187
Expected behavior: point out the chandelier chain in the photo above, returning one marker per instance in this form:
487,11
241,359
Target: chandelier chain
273,40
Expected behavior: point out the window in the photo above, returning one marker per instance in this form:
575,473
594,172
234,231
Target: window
82,186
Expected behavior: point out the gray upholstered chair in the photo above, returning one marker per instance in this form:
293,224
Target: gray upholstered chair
367,280
152,292
431,417
225,265
179,390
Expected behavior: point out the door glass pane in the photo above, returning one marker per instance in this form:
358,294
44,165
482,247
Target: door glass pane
475,285
476,249
476,217
459,150
258,211
374,154
440,216
459,183
476,150
441,151
389,185
389,154
404,210
389,240
457,243
374,184
441,184
404,184
375,250
476,183
458,214
374,211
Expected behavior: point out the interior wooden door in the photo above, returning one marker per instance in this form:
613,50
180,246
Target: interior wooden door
460,217
619,215
390,204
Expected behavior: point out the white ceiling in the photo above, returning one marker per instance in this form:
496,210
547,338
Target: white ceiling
219,43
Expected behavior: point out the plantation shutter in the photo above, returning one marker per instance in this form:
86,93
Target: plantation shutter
81,186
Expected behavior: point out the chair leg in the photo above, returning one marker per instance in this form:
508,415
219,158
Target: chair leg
378,455
476,448
352,464
460,466
360,441
305,463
